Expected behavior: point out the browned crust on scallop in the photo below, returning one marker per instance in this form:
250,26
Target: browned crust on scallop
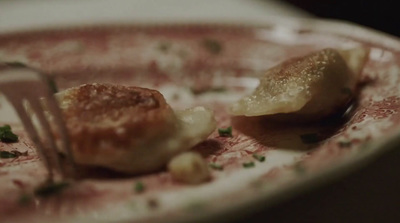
104,118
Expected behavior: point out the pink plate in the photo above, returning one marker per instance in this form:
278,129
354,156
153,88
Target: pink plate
200,64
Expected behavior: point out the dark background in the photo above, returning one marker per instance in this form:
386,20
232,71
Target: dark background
379,14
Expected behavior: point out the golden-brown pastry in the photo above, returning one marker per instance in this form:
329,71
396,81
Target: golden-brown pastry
309,87
129,129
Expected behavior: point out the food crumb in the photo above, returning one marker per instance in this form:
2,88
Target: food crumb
189,167
213,46
153,203
164,46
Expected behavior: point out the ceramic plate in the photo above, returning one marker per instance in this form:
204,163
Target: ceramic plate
204,64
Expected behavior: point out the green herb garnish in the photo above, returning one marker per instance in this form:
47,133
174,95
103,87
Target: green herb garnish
218,89
53,85
51,189
208,90
212,45
310,138
139,187
15,64
7,155
153,203
248,164
259,157
227,132
344,144
12,154
196,206
6,135
299,168
164,46
216,166
24,199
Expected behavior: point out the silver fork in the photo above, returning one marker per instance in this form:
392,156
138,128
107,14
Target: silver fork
24,86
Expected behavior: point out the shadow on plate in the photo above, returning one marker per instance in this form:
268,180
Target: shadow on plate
271,131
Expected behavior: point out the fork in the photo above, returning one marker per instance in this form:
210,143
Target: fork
24,88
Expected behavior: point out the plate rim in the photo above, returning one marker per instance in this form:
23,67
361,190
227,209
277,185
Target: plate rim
333,172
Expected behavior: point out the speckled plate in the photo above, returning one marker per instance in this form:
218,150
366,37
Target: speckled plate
209,64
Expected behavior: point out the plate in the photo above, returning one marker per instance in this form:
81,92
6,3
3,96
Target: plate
209,64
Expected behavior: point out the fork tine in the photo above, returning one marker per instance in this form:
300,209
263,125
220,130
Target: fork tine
30,129
46,128
56,113
36,90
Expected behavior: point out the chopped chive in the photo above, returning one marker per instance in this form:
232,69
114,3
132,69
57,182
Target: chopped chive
6,135
5,128
207,90
299,168
53,85
218,89
153,203
216,166
7,155
24,199
12,154
310,138
259,157
51,189
227,132
139,187
196,206
213,46
248,165
344,144
164,46
15,64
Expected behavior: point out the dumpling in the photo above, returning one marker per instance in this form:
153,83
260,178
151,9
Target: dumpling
129,129
310,87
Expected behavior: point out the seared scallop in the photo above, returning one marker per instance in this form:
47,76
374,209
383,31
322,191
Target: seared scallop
129,129
310,87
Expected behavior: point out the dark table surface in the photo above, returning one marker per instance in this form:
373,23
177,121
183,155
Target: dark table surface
379,15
